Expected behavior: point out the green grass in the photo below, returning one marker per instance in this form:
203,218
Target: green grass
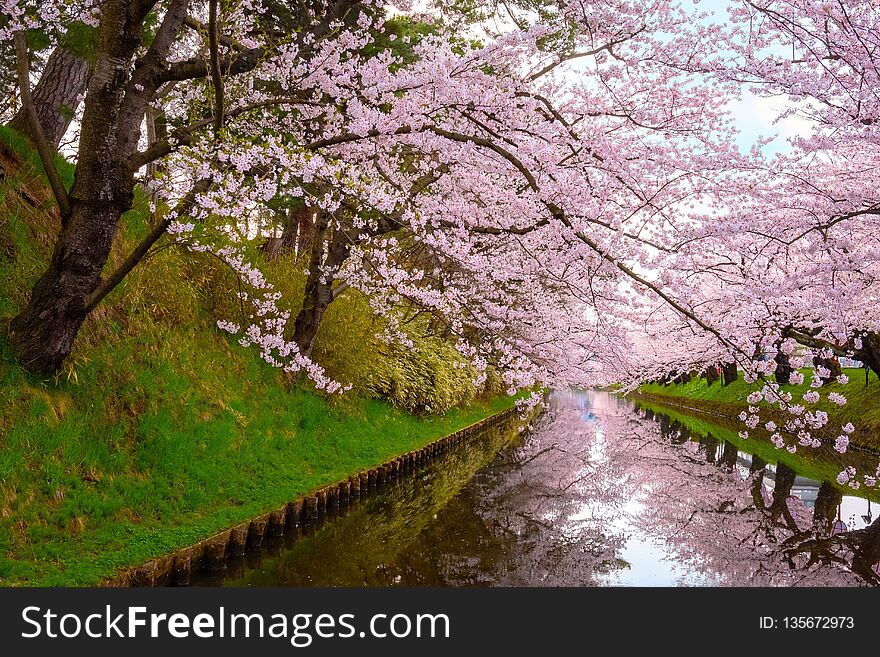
161,429
862,407
114,470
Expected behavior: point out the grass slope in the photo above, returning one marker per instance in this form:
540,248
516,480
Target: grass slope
162,430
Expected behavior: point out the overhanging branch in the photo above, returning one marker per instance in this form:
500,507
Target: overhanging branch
45,153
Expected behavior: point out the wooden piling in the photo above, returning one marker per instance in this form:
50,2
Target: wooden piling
301,517
277,521
344,492
181,574
214,554
257,530
238,539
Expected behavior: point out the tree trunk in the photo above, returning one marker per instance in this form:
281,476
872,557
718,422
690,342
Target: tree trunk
831,364
306,227
869,354
729,373
289,227
42,335
711,375
275,246
319,285
57,95
683,378
783,369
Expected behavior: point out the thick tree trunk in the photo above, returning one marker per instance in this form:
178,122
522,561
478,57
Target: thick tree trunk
681,379
831,364
711,375
43,334
319,286
783,369
305,231
869,354
57,95
729,373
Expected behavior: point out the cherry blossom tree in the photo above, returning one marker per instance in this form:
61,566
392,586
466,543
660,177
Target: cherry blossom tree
531,193
556,185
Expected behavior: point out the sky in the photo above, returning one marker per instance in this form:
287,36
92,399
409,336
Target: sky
756,116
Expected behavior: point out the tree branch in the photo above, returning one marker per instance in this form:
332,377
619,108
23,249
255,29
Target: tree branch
184,136
110,282
27,103
216,73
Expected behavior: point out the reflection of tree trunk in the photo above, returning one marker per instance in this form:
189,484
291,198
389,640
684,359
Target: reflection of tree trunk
729,373
710,446
728,457
678,433
757,470
663,421
785,477
757,465
827,501
867,554
57,95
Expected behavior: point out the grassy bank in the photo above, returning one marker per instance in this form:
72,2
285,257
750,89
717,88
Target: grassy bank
161,429
862,407
88,487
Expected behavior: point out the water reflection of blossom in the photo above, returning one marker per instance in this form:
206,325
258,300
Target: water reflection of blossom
596,470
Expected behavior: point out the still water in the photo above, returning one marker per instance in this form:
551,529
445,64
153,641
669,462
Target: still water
600,492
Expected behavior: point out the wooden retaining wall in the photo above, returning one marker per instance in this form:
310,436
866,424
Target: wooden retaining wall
212,554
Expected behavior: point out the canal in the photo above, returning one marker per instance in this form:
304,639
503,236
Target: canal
600,492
